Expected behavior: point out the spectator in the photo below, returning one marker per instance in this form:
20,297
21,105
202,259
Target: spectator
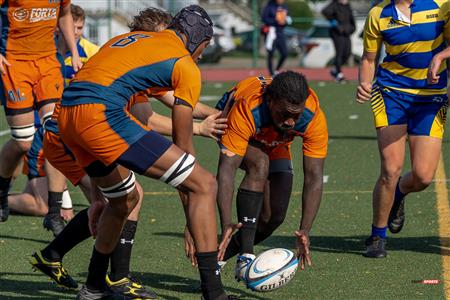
340,15
275,18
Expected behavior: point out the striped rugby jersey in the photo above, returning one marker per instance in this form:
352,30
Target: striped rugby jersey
409,46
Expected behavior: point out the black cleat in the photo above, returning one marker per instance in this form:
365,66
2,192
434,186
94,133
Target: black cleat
130,287
397,216
4,209
224,297
89,294
375,247
54,223
54,270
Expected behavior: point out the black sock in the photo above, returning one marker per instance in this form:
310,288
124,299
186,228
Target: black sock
4,185
54,202
98,267
76,231
233,247
120,258
249,206
211,283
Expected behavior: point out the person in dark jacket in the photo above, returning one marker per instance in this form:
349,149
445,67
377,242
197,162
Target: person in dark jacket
340,15
275,18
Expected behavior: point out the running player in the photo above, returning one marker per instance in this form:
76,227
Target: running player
264,116
107,141
404,105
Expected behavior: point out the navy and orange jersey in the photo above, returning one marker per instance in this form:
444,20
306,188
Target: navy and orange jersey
132,63
28,27
410,46
249,119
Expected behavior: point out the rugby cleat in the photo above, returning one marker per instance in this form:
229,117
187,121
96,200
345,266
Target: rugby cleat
54,223
375,247
224,297
90,294
397,216
130,287
53,269
242,264
4,209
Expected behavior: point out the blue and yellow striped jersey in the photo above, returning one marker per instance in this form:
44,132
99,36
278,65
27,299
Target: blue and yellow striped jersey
409,46
86,50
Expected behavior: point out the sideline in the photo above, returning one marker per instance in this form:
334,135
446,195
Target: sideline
444,226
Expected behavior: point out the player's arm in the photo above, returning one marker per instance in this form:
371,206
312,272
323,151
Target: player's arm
201,111
312,190
372,45
209,127
366,75
435,66
65,24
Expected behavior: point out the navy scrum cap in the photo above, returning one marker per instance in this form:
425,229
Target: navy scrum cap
194,22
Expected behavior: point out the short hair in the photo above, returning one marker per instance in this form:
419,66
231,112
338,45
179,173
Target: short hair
149,19
290,86
77,12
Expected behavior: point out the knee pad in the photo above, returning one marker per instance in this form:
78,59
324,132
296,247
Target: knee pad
179,171
120,189
24,133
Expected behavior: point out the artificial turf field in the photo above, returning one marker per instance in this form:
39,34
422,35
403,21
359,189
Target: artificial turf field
337,239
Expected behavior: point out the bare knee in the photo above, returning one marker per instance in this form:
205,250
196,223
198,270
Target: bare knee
422,179
258,169
390,175
124,206
22,146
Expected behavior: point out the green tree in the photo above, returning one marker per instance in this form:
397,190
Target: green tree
301,14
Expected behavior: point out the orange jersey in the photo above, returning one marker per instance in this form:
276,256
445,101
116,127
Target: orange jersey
28,27
249,119
132,63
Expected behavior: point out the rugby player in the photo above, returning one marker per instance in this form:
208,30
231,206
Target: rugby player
108,142
31,76
264,116
406,108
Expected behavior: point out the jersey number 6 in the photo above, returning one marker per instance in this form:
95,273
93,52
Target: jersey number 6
123,42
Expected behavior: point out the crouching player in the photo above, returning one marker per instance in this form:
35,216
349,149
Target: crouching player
264,116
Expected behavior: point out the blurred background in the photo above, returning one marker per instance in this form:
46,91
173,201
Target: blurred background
237,42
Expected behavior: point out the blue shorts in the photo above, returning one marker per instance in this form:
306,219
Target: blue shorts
423,115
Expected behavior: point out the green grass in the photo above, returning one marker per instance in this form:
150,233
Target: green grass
339,270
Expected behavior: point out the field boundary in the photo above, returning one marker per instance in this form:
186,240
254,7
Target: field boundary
443,210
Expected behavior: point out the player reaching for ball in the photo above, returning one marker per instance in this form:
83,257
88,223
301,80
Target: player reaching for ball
264,116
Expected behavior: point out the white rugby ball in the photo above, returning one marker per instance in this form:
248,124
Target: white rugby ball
271,270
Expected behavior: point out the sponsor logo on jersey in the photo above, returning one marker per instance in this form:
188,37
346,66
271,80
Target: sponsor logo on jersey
34,15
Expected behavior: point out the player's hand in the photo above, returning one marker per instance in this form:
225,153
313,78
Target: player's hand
433,69
94,213
189,246
66,214
213,126
363,92
76,63
3,61
227,233
302,244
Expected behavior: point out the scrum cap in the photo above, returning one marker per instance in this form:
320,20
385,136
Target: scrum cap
194,22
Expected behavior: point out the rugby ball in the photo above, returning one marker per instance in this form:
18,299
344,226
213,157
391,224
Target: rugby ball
271,270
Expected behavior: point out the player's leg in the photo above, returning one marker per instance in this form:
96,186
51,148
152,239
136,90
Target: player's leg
426,129
390,116
56,187
32,200
166,162
120,279
281,45
277,193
